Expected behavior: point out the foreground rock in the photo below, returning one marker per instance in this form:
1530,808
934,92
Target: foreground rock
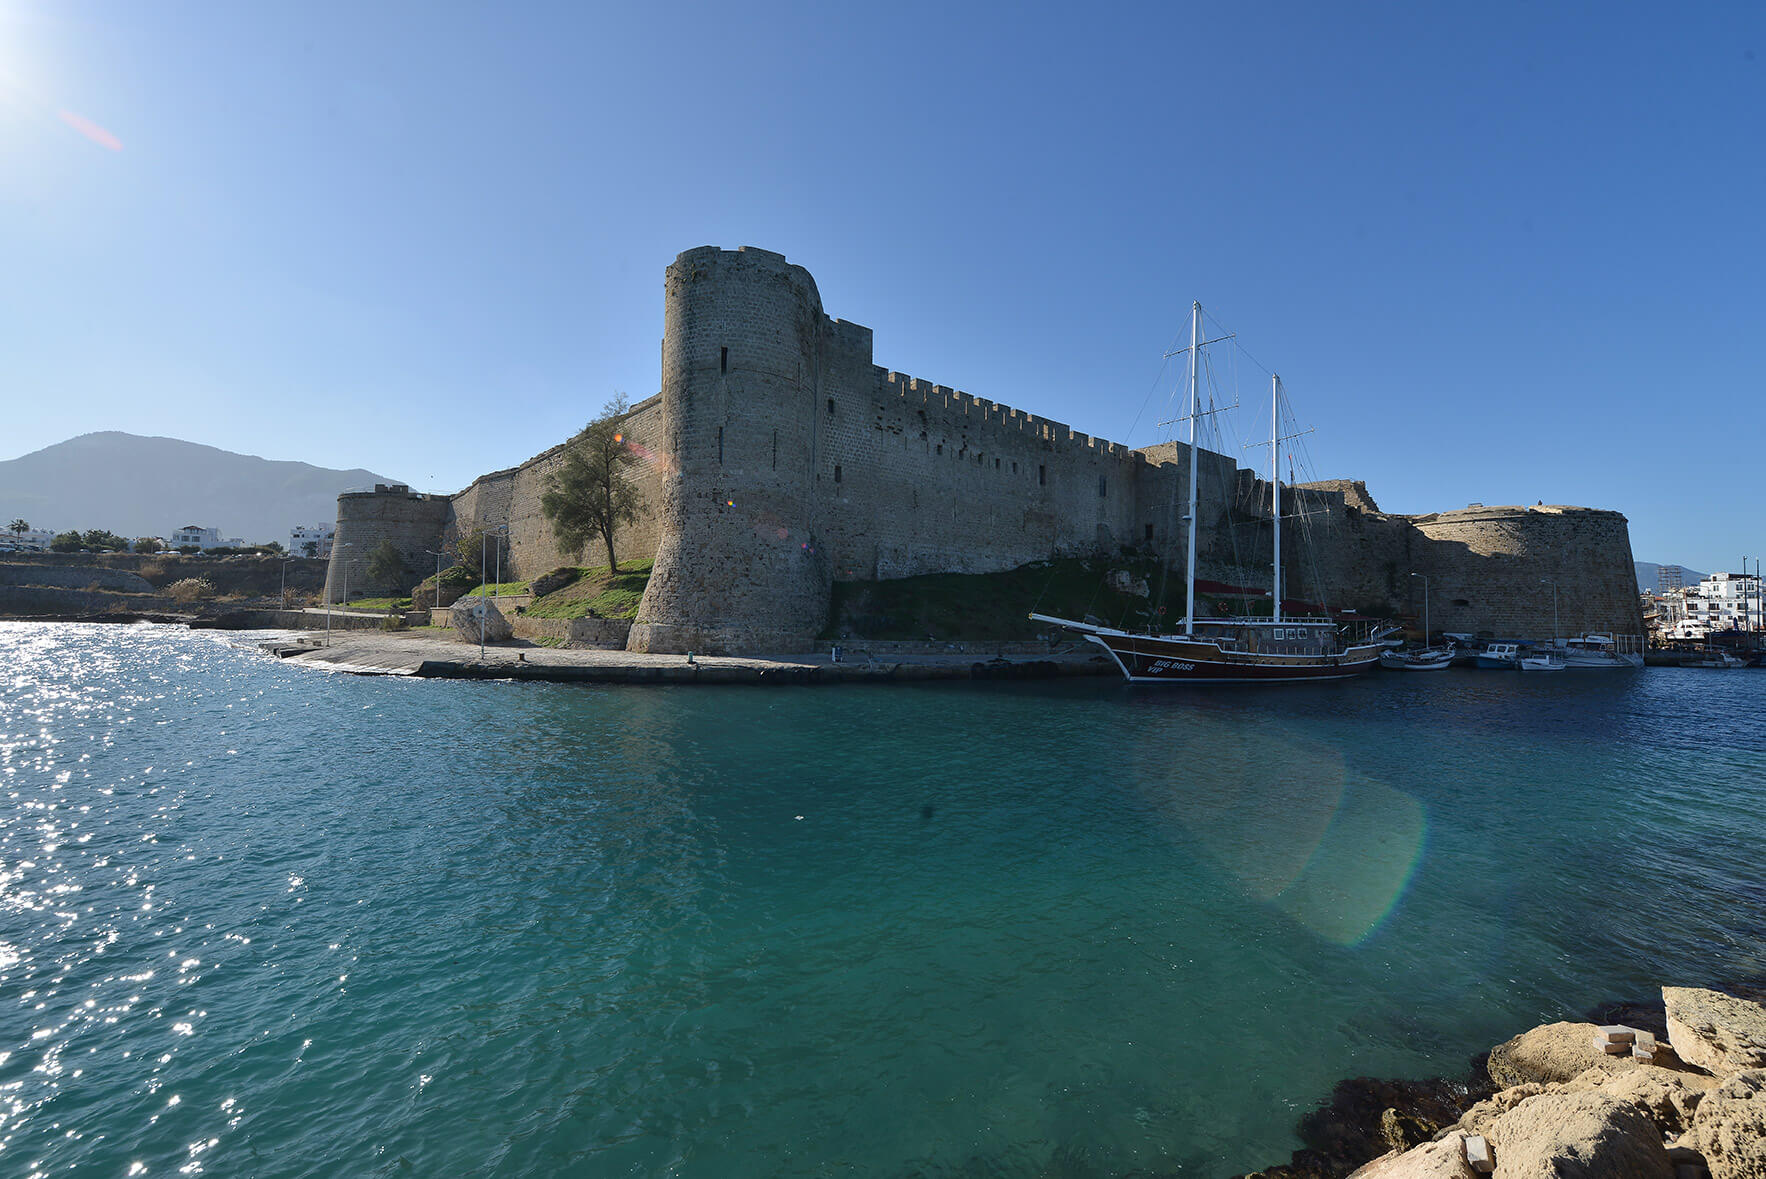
1730,1127
464,617
1716,1032
1566,1133
1574,1100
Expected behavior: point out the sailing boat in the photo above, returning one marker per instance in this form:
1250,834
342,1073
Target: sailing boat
1232,650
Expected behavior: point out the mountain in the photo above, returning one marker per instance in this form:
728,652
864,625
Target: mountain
1649,574
137,486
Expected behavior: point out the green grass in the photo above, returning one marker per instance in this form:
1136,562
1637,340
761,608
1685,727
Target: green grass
596,594
498,589
984,607
380,604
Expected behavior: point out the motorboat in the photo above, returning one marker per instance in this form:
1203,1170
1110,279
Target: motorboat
1542,661
1597,651
1499,656
1422,659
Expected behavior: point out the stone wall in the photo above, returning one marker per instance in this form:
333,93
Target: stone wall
74,577
512,498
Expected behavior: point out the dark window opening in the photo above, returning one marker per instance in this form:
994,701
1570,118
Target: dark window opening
723,360
830,405
1042,475
1461,602
836,472
1014,468
720,446
1103,487
941,448
996,464
1149,533
775,450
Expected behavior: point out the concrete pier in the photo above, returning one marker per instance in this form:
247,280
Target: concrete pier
438,656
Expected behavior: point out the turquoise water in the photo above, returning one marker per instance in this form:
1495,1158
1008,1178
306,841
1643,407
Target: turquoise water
262,920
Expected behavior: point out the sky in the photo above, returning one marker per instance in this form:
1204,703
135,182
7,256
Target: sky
1498,253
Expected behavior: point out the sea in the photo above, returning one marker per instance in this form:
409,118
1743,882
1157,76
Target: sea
258,919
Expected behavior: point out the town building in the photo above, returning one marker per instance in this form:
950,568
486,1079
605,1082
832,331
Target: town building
319,536
1722,601
31,540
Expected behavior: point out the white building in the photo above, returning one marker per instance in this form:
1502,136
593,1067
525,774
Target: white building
31,540
204,538
317,535
1722,601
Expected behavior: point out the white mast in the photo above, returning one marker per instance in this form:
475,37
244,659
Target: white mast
1275,474
1189,579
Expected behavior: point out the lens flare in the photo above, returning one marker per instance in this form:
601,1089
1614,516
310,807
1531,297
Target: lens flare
91,130
1292,824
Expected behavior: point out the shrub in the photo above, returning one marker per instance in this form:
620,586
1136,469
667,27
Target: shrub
191,589
152,569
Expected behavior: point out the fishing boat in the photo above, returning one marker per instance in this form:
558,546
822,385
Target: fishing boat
1542,661
1499,656
1597,651
1423,659
1719,660
1234,650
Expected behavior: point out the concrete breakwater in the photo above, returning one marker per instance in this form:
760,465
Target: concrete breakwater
1675,1091
428,656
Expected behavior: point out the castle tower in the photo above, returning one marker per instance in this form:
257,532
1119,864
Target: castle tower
739,565
365,519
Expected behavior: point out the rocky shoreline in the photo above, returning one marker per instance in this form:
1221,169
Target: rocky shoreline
1675,1091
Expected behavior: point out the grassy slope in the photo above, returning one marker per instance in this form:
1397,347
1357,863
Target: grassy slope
596,594
995,606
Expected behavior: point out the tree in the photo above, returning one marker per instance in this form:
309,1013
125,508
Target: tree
101,540
310,548
386,565
274,547
19,527
148,544
67,542
591,494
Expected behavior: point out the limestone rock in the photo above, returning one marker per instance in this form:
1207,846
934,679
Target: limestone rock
1562,1134
1444,1159
1549,1053
464,617
1668,1096
1483,1115
1714,1031
557,579
1730,1127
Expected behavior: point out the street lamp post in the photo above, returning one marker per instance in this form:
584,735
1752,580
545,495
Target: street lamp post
435,601
1425,578
282,599
1554,607
484,539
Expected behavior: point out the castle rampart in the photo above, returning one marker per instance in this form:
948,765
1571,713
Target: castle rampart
779,457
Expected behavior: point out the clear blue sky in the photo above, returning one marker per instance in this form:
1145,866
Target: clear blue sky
1498,253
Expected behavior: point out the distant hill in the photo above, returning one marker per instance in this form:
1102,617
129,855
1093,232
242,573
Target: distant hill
1648,575
137,486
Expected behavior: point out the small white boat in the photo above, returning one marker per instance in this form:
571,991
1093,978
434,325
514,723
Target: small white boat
1720,660
1501,656
1593,650
1423,659
1542,661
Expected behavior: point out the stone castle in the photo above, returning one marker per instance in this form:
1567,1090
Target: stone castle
778,458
